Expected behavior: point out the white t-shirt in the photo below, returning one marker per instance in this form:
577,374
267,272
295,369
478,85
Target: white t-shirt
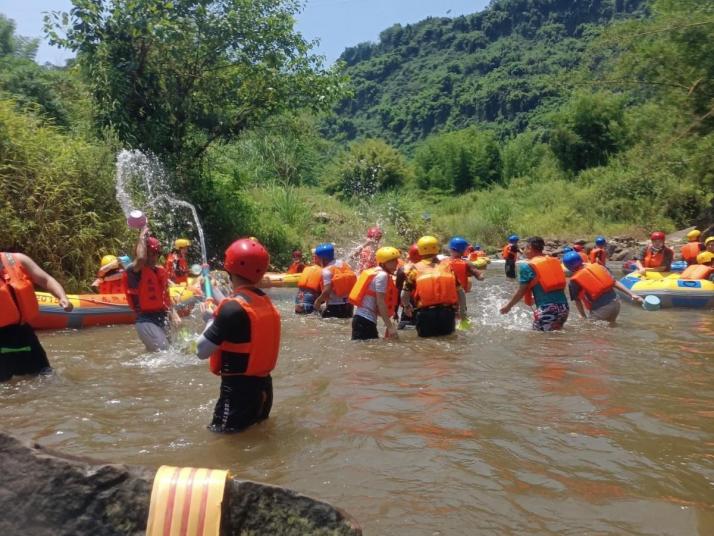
332,299
368,309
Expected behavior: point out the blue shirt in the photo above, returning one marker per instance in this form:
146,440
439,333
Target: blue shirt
526,275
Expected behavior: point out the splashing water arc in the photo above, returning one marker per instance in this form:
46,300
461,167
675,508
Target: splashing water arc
145,173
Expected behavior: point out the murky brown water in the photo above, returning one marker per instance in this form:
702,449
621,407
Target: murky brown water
497,431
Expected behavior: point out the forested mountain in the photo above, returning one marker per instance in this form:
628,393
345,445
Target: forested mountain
442,74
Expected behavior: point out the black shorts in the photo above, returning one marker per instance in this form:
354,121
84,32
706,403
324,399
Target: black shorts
510,269
363,329
244,400
435,321
21,352
340,310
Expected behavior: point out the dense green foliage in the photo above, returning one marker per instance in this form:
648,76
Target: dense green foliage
497,66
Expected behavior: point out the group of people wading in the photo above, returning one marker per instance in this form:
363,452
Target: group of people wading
241,339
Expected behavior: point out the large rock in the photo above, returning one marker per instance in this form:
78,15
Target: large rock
45,493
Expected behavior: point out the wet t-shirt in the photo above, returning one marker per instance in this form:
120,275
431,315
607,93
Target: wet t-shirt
333,298
368,309
526,275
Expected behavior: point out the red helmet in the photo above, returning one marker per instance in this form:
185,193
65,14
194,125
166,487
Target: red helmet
297,254
414,253
374,232
657,235
578,247
247,258
153,245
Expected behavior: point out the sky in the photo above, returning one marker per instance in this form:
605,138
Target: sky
338,24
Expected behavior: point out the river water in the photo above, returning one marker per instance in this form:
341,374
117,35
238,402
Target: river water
499,430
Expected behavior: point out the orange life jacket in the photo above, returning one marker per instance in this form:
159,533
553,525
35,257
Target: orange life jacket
362,289
258,356
435,285
18,303
112,283
594,281
697,271
177,268
296,267
652,259
548,274
583,256
343,279
690,251
598,255
506,252
460,268
152,294
311,278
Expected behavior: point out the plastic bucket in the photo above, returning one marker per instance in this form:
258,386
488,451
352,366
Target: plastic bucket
651,303
136,219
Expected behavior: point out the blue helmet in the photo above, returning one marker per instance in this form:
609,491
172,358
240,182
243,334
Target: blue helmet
325,251
572,260
477,247
600,241
567,249
458,244
513,238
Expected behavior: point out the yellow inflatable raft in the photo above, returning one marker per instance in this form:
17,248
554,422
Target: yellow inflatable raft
671,289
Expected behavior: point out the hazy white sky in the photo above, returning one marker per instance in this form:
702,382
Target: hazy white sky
338,24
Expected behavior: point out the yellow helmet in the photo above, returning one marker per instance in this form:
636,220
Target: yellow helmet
387,254
710,239
693,235
705,257
428,245
107,259
182,243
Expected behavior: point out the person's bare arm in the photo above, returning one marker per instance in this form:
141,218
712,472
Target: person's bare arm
522,289
140,259
43,279
386,316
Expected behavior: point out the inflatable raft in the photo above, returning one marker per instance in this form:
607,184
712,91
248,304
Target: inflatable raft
97,309
671,290
276,280
630,266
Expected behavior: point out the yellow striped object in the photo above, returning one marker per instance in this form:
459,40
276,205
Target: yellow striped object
186,502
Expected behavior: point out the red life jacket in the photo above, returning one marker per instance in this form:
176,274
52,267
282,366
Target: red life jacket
343,279
177,268
152,294
435,285
311,278
362,289
18,303
460,268
258,356
690,251
113,283
654,260
598,255
697,271
548,274
594,281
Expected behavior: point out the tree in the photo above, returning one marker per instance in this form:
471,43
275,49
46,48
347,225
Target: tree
173,76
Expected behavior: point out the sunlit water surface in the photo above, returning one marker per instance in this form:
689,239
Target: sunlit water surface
499,430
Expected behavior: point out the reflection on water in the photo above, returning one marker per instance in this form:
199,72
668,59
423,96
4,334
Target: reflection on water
496,430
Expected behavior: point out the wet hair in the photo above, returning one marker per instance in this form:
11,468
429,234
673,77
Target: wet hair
536,242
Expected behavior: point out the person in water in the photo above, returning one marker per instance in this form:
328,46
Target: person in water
147,291
709,244
365,254
464,270
20,349
598,254
177,263
297,266
702,270
336,284
110,277
541,282
375,295
413,257
510,254
435,289
309,286
656,257
242,341
692,248
592,287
